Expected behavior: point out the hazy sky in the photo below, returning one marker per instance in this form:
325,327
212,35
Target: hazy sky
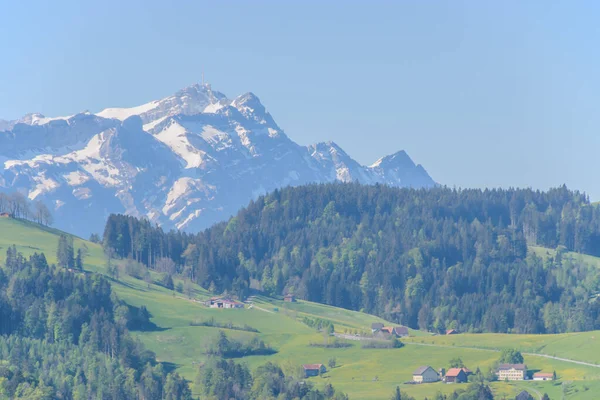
481,93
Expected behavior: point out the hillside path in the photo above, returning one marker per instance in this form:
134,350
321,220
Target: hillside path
497,351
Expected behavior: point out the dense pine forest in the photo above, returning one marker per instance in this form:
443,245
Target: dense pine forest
430,259
65,336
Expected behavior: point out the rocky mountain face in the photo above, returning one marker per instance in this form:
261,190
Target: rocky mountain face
184,162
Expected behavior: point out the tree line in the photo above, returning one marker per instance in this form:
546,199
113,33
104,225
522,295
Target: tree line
430,259
19,206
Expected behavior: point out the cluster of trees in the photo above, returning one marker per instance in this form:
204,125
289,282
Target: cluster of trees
226,379
510,356
65,253
64,335
17,205
429,259
319,324
226,347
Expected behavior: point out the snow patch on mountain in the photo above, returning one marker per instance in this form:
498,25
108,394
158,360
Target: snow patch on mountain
123,113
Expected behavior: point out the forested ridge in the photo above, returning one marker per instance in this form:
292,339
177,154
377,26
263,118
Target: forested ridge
430,259
63,335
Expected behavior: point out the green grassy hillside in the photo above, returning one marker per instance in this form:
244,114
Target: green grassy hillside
362,373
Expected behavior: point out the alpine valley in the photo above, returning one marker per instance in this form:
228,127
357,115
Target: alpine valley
185,162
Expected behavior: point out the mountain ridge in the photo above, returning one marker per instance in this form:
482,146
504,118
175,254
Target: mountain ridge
185,161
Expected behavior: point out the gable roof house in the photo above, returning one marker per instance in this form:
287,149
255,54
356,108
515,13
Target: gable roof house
451,332
425,374
376,327
455,375
223,302
512,372
313,369
401,331
387,331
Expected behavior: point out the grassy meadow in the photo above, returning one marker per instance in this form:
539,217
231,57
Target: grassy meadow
362,373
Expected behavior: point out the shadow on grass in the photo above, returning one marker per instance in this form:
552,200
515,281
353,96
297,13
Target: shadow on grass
169,366
139,320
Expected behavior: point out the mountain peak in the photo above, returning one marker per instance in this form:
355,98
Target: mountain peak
249,105
399,159
185,161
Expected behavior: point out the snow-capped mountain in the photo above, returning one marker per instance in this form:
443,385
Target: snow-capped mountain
184,162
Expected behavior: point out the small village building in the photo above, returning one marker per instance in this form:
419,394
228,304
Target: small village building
220,302
4,215
313,370
455,375
543,376
467,371
232,304
524,395
401,331
290,298
390,331
376,327
451,332
512,372
425,374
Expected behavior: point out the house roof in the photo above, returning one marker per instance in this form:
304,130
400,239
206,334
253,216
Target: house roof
454,372
451,331
543,375
520,367
402,330
467,370
312,366
376,325
289,295
421,370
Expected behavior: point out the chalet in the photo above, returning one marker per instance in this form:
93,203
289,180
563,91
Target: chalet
451,332
425,374
524,395
290,298
512,372
313,369
376,327
543,376
220,302
401,331
455,375
388,331
5,215
232,304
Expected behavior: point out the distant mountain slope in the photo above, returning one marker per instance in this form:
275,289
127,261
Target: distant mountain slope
186,161
429,259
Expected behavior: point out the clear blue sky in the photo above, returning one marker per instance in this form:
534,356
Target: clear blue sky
481,93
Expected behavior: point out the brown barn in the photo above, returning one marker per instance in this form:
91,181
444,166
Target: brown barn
313,369
455,375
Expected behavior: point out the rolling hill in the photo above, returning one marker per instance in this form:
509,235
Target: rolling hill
362,373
